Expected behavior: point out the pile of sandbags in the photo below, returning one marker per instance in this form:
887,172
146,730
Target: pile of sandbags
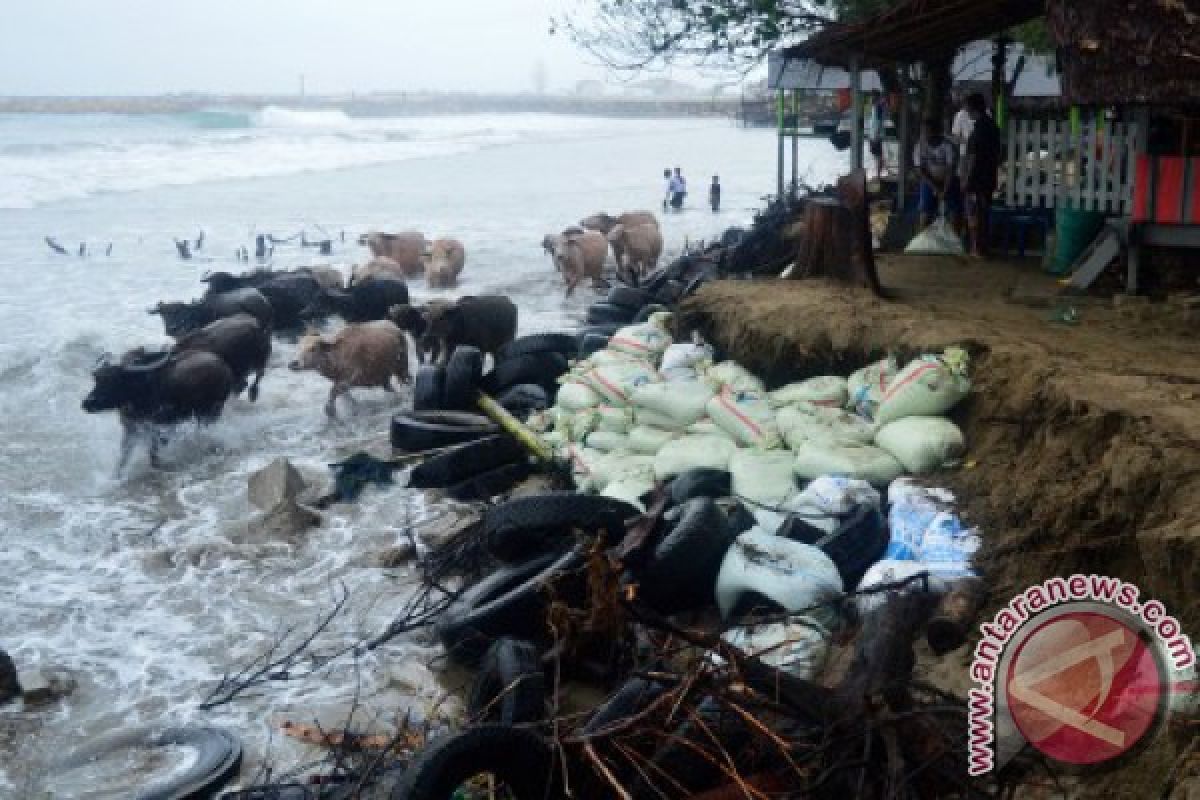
664,408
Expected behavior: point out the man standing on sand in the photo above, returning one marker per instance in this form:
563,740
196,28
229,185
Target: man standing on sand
936,158
981,168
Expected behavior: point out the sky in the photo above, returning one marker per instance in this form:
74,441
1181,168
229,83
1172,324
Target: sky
107,47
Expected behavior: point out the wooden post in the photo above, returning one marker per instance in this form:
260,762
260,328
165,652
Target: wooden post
903,164
856,115
779,157
795,142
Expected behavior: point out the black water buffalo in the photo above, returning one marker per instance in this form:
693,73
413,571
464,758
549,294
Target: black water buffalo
362,302
241,342
289,293
151,391
488,322
180,319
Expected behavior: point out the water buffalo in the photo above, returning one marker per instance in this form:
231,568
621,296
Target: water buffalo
488,322
604,223
289,293
406,248
364,355
240,341
180,319
444,263
362,302
153,391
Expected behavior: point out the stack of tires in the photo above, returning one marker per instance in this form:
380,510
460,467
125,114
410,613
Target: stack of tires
625,305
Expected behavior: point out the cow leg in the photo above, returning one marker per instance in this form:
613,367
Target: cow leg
258,376
331,403
156,442
128,440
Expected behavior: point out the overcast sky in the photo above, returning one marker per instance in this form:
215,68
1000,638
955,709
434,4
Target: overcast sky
58,47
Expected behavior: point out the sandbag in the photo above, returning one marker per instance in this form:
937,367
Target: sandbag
882,573
652,419
826,390
763,477
685,356
823,503
607,442
948,546
589,468
554,439
865,462
912,509
706,427
647,341
616,382
734,376
807,421
576,396
865,387
662,319
631,487
682,403
922,444
928,387
693,452
747,417
603,357
646,440
798,646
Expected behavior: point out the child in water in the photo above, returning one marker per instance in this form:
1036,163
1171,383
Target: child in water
714,194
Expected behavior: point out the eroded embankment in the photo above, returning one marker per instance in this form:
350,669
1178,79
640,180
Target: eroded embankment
1084,442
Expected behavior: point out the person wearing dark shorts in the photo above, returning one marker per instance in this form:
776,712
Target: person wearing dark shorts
981,169
935,158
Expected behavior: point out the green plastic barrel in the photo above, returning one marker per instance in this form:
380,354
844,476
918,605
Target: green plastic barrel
1074,232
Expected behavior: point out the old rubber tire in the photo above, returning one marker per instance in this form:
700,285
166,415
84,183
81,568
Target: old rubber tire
417,431
218,753
628,297
518,758
524,399
429,388
633,696
592,342
509,602
491,483
510,687
681,573
608,314
562,343
601,330
525,526
464,371
542,369
647,310
466,461
695,483
854,545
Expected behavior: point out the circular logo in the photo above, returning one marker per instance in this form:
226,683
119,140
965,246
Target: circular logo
1085,686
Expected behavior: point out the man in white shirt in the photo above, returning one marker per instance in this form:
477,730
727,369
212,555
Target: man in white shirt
678,189
936,158
960,131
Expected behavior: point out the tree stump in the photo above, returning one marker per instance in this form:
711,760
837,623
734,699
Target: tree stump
837,242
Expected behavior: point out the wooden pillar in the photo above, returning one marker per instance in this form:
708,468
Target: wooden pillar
1134,260
904,131
779,156
795,142
856,115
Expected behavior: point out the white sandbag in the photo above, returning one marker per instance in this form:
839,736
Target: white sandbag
682,374
540,421
763,477
864,462
912,509
553,439
734,376
590,468
652,419
882,573
928,387
616,382
648,441
948,546
706,427
807,421
662,319
823,503
922,444
693,452
606,442
631,487
682,403
865,387
747,417
826,390
686,355
646,340
603,357
576,396
798,646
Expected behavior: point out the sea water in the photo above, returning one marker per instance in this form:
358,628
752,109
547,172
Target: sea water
149,587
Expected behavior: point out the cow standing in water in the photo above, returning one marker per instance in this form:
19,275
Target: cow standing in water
369,354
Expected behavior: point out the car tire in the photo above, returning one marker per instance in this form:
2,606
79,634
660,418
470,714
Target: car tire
465,462
218,753
858,541
695,483
429,388
608,314
524,526
519,759
524,399
681,573
628,297
591,343
561,343
464,372
491,483
417,431
510,687
542,369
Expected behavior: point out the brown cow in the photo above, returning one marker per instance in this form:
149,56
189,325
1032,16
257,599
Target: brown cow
407,249
579,256
444,263
364,355
641,247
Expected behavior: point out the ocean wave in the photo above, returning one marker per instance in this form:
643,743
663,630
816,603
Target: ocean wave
278,117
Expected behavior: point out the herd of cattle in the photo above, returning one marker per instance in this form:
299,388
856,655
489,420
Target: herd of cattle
222,341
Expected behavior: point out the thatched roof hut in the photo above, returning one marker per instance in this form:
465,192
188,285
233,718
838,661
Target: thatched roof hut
1122,52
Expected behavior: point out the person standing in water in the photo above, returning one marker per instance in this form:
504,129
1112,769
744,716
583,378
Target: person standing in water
678,188
714,194
667,184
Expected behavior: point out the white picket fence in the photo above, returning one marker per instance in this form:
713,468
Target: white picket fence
1090,170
